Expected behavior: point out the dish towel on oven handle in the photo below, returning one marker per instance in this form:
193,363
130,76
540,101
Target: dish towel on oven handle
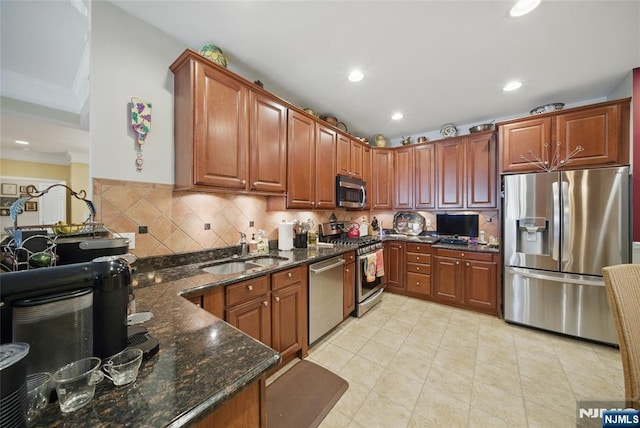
370,269
379,264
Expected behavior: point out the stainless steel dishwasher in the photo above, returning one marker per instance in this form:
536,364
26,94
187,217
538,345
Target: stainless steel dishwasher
325,296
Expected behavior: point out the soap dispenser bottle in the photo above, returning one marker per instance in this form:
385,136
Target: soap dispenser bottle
253,245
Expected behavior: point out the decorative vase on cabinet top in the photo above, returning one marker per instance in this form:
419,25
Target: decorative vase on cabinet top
380,140
214,53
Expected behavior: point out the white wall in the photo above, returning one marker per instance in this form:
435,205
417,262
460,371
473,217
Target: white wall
129,58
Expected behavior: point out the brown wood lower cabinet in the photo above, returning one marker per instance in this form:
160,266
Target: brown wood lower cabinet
467,279
246,409
270,308
394,268
418,258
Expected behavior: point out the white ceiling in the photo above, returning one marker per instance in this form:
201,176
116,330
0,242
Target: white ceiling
434,61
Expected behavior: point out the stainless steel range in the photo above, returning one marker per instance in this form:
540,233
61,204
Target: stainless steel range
369,283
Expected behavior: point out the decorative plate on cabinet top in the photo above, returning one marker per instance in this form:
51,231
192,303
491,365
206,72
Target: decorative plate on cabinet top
449,130
547,108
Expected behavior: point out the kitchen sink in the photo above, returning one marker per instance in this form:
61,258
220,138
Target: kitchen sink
268,261
233,267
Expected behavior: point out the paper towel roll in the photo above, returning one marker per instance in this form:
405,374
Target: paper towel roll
285,236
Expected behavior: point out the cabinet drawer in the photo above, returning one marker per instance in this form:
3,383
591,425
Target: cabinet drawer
419,268
469,255
419,258
419,283
418,248
349,257
247,290
286,277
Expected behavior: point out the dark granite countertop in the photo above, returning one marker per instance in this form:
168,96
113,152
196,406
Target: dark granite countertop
434,242
202,361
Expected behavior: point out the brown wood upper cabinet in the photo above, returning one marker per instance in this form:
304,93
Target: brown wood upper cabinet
601,130
425,176
219,119
466,169
381,188
403,171
311,165
349,157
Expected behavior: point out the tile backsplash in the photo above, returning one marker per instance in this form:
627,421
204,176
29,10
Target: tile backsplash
176,221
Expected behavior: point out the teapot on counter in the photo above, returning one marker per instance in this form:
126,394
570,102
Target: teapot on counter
354,231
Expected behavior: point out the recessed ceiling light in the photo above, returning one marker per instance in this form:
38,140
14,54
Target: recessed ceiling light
512,86
22,142
522,7
397,116
356,76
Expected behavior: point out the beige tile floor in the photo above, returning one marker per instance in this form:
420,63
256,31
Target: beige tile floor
411,363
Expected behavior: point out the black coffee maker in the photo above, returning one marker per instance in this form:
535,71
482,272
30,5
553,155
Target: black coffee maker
66,313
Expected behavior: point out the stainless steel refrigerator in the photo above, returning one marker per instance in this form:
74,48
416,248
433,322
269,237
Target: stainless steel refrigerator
559,230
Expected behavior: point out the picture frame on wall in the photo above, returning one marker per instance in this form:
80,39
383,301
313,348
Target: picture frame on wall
31,206
9,189
6,202
4,212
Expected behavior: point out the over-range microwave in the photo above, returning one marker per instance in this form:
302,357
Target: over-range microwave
350,192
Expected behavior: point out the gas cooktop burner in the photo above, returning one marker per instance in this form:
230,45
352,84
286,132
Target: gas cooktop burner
364,240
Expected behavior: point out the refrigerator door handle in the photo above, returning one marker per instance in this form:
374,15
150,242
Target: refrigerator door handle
555,278
566,220
556,221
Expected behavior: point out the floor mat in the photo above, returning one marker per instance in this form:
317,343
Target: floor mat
303,396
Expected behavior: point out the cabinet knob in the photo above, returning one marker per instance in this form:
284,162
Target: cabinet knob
346,270
255,184
417,267
288,274
418,248
313,203
418,283
462,254
418,257
467,263
250,287
457,263
244,181
277,299
265,303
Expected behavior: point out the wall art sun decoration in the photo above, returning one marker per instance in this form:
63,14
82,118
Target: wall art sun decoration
555,162
141,124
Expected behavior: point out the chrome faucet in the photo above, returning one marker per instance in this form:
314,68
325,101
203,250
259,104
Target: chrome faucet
243,244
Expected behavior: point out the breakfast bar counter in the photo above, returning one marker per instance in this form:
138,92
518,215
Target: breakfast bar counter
203,362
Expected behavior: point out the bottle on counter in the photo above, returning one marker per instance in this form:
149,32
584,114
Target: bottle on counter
263,242
253,245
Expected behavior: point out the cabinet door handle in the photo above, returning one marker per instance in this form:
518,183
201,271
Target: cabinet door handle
250,287
288,274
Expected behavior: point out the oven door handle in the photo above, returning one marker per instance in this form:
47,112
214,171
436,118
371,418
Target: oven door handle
325,268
